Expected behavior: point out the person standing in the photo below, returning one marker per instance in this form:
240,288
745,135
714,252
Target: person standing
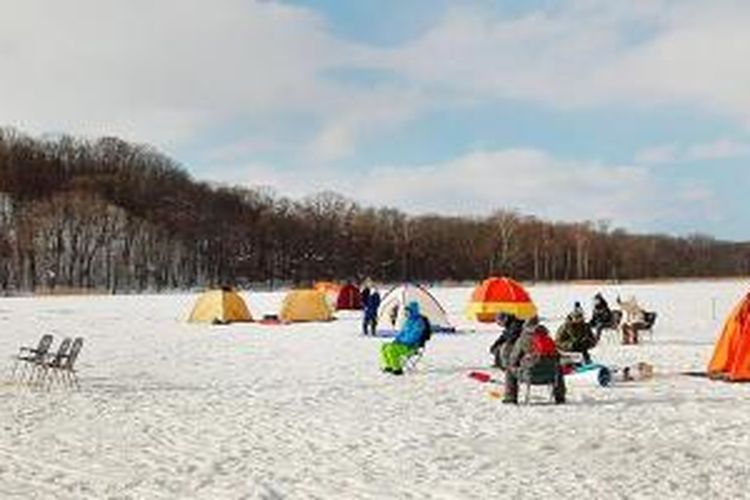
364,293
370,316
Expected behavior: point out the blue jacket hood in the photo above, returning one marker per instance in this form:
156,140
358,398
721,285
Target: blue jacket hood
414,328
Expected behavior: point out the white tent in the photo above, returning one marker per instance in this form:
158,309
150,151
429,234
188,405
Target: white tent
391,314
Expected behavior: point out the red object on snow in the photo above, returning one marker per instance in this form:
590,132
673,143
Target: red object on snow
349,298
481,376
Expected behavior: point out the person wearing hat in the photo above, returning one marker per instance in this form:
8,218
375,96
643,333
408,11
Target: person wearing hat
575,335
502,347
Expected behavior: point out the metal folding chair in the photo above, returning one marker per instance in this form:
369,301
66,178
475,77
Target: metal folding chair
53,361
32,358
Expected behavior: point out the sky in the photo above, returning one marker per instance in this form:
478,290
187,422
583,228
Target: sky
637,113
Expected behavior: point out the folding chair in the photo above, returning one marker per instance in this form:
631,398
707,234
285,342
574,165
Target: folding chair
612,329
409,362
649,318
54,361
67,369
32,357
544,374
640,328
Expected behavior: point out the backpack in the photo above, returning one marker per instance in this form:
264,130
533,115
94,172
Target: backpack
542,344
427,333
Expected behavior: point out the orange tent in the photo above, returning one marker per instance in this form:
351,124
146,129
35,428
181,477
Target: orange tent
330,289
495,295
731,359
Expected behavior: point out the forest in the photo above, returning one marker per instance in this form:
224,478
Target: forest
108,215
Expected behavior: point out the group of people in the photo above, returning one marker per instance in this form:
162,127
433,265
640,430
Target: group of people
635,319
525,351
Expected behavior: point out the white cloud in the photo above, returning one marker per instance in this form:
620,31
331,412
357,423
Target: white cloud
592,53
528,180
163,71
169,71
665,153
719,149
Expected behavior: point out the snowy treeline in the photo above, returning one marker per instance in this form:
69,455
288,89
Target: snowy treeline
107,214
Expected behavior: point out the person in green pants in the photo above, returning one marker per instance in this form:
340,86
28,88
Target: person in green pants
413,334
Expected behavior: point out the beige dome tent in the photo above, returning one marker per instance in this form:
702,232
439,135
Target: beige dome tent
305,305
391,315
220,306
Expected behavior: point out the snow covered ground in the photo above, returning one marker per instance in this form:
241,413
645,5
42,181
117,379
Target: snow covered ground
172,410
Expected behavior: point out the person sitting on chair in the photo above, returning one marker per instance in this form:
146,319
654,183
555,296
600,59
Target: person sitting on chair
535,359
635,320
413,335
502,347
601,315
575,335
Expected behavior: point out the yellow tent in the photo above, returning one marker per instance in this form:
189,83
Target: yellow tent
306,305
220,306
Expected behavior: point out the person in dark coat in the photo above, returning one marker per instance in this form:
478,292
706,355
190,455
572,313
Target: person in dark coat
534,357
364,294
601,315
575,335
502,347
370,316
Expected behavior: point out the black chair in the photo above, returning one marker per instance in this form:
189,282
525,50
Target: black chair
612,327
32,357
54,361
61,367
545,372
649,318
67,369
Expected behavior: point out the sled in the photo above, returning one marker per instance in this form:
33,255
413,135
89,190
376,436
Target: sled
608,375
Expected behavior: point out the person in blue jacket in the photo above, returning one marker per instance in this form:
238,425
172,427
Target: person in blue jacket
413,335
370,317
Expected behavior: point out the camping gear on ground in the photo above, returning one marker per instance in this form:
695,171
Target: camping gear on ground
608,375
220,307
305,305
495,295
349,298
391,313
270,319
731,357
